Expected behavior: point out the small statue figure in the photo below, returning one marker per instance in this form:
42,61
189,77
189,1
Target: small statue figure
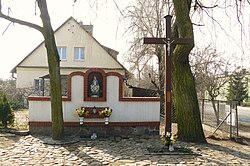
94,87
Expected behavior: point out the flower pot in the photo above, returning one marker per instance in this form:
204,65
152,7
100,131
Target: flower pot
106,120
171,147
81,120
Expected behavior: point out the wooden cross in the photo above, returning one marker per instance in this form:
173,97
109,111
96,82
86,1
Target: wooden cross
168,67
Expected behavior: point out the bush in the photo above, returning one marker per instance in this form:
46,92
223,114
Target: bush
6,113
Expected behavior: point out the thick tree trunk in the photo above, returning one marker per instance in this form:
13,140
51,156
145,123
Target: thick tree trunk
54,73
185,96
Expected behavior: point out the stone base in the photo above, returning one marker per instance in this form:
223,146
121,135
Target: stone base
106,131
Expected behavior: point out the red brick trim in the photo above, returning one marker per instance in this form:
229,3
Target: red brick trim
138,99
47,98
39,98
99,124
100,99
77,73
104,83
135,99
64,98
115,74
40,123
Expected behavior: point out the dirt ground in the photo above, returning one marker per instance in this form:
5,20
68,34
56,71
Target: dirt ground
21,119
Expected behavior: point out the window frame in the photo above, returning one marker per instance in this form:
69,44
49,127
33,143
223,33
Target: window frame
60,52
38,86
78,57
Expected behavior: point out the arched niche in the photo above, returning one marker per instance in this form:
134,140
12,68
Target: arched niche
95,85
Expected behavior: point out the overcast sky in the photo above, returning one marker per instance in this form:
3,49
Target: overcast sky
18,41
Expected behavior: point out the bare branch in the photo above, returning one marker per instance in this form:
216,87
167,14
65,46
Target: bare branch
199,4
154,83
6,28
21,22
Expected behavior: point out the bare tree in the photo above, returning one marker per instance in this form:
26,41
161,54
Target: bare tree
53,62
18,97
211,70
146,20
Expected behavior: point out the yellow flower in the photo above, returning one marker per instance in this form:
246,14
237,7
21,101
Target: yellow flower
82,112
168,138
106,112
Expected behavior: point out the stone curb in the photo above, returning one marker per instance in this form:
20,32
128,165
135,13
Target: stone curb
16,132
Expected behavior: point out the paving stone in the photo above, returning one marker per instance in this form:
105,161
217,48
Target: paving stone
95,164
30,151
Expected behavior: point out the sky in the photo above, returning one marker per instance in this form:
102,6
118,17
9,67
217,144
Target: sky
17,41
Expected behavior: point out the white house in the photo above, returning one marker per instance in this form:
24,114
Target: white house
84,59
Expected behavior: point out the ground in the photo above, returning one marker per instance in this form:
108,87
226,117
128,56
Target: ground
33,150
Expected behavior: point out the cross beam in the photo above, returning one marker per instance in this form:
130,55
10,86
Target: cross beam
168,67
152,40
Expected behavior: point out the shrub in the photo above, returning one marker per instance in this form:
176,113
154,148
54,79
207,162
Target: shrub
6,113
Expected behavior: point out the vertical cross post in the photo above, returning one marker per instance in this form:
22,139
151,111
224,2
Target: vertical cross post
168,77
168,67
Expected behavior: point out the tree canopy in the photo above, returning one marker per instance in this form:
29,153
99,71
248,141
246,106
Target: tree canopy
237,89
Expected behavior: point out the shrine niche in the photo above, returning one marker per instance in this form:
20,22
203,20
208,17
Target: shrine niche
95,85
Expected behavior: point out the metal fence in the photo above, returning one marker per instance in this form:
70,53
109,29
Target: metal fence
222,115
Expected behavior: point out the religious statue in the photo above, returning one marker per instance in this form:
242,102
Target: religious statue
94,87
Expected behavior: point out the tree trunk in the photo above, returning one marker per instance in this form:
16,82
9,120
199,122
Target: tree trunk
161,69
185,96
54,73
216,112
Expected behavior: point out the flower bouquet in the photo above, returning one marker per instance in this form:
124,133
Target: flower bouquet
168,140
82,112
106,112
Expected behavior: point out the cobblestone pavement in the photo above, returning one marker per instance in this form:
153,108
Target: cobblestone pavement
32,150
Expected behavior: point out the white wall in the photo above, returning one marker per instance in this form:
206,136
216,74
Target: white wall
123,111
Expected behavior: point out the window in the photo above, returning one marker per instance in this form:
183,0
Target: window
79,53
64,85
62,52
38,85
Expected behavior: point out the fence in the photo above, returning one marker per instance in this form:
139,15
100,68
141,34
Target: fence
221,115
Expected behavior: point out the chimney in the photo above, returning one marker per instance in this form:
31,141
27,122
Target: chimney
88,28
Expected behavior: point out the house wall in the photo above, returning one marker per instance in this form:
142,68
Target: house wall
126,111
26,76
71,35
